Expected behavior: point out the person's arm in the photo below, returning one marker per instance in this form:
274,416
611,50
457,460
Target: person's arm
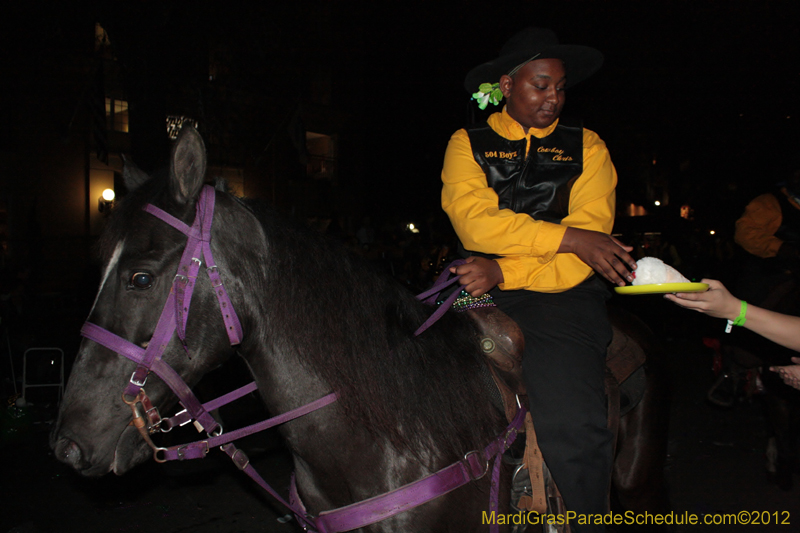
719,302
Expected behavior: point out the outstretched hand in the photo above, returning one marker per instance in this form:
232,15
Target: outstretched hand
606,255
717,301
789,374
479,275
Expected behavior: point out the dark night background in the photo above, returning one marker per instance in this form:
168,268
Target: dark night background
697,102
707,89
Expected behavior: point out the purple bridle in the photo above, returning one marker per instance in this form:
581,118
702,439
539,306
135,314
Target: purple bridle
173,320
175,313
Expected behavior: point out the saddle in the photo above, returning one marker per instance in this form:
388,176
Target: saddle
503,343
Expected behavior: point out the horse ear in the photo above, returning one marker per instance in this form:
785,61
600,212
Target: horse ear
132,175
187,165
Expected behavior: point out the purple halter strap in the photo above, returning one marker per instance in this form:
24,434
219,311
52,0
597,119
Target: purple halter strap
199,240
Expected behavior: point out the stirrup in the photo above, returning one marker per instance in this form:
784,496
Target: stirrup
520,486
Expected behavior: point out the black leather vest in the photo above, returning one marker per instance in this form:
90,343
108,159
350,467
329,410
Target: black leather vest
539,184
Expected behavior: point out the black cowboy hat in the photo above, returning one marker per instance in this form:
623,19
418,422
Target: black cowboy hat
580,62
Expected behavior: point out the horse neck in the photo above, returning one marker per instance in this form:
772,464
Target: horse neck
318,320
283,382
245,238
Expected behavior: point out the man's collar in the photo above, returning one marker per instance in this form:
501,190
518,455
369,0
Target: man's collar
516,131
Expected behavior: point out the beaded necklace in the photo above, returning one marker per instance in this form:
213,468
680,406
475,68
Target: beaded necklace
465,301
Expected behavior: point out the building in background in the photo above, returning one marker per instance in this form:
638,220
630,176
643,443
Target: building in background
92,86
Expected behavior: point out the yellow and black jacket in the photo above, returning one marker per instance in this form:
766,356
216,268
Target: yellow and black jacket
497,209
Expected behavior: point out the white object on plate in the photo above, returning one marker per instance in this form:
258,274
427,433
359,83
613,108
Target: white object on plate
653,271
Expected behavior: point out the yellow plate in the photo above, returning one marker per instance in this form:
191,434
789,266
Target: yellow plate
662,288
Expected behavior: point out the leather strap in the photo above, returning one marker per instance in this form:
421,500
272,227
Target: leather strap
532,460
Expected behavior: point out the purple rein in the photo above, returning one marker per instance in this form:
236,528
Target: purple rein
429,297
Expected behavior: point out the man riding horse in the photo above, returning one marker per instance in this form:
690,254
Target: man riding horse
532,199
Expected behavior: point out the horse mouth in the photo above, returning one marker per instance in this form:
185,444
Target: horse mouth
129,451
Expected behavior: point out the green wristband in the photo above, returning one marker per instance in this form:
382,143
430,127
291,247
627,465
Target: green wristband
740,320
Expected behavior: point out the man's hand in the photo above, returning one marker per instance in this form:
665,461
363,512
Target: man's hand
479,274
605,254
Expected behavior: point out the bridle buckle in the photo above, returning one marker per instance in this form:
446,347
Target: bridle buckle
467,462
137,383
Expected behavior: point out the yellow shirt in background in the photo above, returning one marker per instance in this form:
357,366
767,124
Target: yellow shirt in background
755,230
527,246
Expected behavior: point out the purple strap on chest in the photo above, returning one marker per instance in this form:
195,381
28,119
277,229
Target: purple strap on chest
474,466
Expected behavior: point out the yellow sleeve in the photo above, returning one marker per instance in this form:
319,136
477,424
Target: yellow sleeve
755,230
528,246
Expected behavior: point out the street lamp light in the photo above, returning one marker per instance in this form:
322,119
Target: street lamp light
106,201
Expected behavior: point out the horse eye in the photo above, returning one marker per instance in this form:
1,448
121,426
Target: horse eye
141,281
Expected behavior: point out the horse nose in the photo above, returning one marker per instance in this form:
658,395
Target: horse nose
67,451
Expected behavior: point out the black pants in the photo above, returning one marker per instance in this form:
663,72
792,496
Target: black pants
566,336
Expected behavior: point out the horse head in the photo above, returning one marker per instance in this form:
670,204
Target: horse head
141,255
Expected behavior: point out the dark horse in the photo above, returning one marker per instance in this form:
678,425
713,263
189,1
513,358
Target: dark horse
315,320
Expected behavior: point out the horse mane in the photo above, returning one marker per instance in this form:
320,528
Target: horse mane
352,326
357,333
